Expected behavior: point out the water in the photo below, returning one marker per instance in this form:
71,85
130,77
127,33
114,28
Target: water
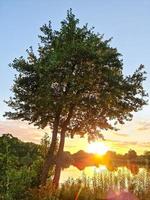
133,181
134,173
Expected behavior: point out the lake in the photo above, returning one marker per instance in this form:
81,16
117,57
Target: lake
121,177
121,183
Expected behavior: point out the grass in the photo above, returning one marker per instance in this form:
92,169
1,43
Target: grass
118,185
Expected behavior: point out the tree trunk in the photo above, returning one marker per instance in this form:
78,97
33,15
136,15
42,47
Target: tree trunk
61,148
58,162
50,155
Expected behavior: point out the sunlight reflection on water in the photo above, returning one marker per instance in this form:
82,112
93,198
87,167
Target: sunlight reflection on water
120,183
73,172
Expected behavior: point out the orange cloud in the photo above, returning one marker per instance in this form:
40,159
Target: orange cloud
143,126
22,130
118,141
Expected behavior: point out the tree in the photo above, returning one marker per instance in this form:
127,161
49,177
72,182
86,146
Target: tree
132,154
20,165
74,85
147,154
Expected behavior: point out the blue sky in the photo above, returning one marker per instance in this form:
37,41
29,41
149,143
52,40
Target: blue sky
128,22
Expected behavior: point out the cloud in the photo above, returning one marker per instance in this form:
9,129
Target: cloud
143,126
124,142
124,146
22,130
120,134
120,142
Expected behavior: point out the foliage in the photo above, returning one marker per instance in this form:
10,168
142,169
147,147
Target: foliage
75,85
103,185
77,74
20,165
19,178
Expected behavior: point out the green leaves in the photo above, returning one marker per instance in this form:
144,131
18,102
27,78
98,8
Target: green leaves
19,163
75,66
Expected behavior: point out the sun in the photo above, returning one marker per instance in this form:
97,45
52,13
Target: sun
97,148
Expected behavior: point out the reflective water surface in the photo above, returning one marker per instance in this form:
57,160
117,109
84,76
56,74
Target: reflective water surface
127,172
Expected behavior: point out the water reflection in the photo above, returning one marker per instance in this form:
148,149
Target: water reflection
130,170
128,182
110,177
119,184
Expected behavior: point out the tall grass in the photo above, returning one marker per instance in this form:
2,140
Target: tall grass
118,185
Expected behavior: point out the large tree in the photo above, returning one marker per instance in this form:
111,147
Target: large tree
74,85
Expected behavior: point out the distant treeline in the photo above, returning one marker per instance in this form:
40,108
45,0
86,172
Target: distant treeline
111,160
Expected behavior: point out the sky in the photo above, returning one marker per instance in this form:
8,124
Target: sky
126,21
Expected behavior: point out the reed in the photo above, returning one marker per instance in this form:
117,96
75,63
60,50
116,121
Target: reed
116,185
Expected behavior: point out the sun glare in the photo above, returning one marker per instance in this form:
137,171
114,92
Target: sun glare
97,148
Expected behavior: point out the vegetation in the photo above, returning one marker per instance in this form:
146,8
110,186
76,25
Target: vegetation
110,159
75,85
104,185
21,163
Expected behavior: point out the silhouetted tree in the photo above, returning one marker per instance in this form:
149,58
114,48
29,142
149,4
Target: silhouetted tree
74,85
131,154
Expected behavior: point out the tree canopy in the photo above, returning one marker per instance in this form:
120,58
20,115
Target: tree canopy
74,85
77,72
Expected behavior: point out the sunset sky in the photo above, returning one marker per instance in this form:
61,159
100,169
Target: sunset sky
128,22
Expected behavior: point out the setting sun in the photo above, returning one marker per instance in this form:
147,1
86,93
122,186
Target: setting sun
97,148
